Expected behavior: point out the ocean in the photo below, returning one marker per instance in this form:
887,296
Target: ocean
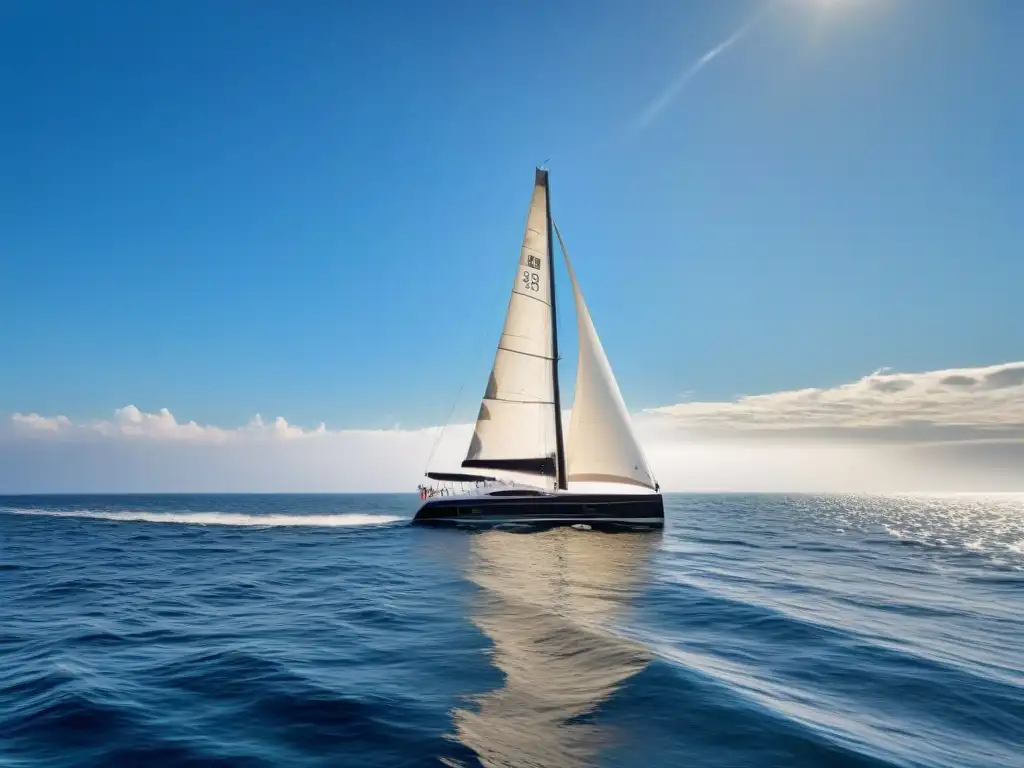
321,630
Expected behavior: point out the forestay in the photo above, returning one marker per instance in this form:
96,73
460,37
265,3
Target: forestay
515,427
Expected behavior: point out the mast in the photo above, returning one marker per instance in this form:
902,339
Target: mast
513,428
561,479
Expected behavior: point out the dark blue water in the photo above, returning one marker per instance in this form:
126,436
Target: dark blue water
326,631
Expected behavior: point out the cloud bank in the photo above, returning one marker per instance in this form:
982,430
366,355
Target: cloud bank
130,422
956,404
949,430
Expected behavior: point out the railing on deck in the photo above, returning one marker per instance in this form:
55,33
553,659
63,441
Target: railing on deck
431,492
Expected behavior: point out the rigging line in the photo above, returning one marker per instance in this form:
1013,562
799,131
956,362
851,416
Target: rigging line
455,403
572,274
440,434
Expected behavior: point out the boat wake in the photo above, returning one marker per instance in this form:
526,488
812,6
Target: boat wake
216,518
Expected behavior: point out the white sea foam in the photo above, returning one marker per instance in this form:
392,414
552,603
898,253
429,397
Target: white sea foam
217,518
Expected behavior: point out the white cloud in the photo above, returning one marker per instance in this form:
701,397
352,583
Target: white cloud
35,422
152,452
955,404
135,451
129,422
958,429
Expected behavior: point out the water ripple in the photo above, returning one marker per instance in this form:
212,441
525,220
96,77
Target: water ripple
320,630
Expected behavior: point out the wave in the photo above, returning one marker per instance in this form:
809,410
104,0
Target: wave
217,518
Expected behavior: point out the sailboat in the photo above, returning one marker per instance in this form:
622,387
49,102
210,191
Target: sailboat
519,426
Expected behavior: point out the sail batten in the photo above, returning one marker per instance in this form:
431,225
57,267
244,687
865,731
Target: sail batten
528,354
531,402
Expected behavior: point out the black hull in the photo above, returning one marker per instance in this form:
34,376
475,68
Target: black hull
600,511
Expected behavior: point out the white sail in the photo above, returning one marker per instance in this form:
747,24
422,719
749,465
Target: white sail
601,446
515,429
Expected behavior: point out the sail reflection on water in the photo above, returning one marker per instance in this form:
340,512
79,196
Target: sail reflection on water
548,602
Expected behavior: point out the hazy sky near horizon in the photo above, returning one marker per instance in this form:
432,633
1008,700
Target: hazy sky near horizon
950,430
313,212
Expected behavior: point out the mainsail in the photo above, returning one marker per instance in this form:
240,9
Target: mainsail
601,446
516,428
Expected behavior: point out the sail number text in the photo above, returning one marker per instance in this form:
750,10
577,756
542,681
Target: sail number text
531,280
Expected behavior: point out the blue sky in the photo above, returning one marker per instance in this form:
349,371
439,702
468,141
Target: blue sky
313,210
